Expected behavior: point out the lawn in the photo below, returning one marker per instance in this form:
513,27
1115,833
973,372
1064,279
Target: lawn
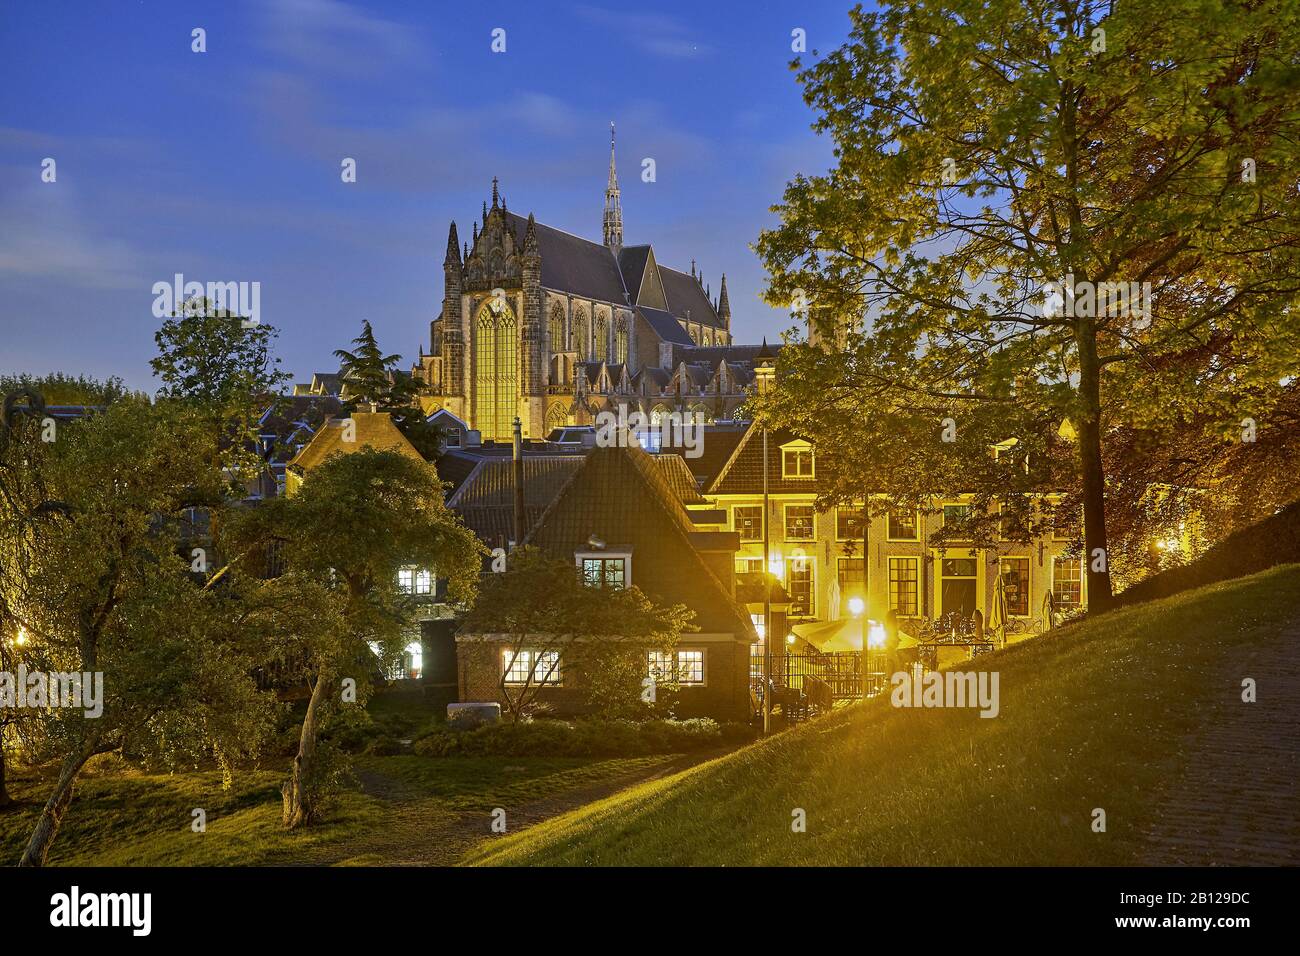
407,808
1092,716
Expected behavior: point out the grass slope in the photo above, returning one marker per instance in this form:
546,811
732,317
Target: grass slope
1094,715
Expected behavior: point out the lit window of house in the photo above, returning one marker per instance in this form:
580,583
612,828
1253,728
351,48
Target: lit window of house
848,524
797,460
749,565
415,580
902,526
604,571
955,515
748,520
903,590
544,665
680,667
1015,578
800,587
1067,584
850,572
1065,526
798,522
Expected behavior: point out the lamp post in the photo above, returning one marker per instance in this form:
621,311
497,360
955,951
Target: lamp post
858,608
767,603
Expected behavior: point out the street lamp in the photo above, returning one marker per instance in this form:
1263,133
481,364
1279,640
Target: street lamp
858,608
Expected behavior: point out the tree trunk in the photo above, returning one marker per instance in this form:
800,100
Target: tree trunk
5,799
47,826
300,790
1096,556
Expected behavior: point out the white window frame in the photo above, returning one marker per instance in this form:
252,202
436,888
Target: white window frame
798,448
537,661
625,556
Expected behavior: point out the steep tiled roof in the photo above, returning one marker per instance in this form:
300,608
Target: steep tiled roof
713,354
573,264
664,325
680,479
743,474
685,295
485,497
621,495
373,430
632,261
716,448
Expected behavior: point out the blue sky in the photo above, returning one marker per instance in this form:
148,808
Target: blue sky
225,165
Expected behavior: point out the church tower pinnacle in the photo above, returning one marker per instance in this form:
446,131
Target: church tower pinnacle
613,210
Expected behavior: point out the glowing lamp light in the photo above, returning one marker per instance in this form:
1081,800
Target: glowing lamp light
21,639
857,606
776,567
789,638
876,635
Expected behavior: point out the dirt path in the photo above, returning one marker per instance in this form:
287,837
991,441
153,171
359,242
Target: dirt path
419,831
1237,803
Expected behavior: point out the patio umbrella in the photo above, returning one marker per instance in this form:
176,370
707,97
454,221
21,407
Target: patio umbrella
842,636
835,598
998,613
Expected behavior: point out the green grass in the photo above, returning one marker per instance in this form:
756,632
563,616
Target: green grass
129,819
1091,716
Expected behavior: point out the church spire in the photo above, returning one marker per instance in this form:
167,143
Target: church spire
613,210
724,304
453,247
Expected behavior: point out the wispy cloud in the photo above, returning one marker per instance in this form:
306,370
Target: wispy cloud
655,33
330,36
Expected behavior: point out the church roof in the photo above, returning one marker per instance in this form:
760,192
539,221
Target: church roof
686,295
573,264
665,326
632,261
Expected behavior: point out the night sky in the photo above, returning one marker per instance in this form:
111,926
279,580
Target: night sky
225,165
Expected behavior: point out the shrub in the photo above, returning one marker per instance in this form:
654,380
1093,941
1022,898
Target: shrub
384,746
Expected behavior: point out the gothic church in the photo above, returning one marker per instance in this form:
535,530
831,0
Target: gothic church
553,328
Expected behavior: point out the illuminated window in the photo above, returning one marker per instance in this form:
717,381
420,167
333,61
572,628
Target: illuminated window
605,572
620,342
800,587
602,338
748,520
749,565
681,667
414,580
544,665
902,526
956,515
556,328
797,460
798,522
1065,526
1015,578
1067,583
903,589
850,574
496,356
848,524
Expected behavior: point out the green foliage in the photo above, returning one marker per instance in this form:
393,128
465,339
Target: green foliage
985,150
373,378
58,388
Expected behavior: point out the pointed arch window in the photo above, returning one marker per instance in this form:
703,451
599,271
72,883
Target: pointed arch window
620,342
496,357
582,333
602,338
556,329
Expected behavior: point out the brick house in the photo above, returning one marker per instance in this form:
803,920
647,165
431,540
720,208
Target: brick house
628,518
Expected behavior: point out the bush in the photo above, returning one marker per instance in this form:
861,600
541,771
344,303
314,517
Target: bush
384,746
1275,540
583,738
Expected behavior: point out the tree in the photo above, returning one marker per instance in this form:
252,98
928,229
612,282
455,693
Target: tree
373,378
357,519
1077,211
57,388
571,626
224,367
92,571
